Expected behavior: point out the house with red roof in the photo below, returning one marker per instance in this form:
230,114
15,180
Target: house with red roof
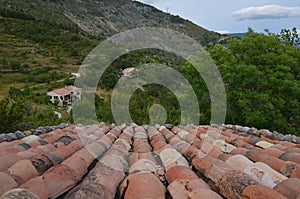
127,72
65,96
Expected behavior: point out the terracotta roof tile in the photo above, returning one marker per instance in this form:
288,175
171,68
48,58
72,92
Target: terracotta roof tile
19,193
8,160
42,163
239,151
132,161
263,174
273,152
233,183
291,156
78,165
296,173
7,183
203,193
27,154
289,188
239,162
37,185
182,188
261,192
270,140
144,185
180,172
103,180
59,179
11,150
23,170
218,170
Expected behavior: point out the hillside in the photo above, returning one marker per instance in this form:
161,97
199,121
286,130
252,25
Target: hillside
42,41
107,17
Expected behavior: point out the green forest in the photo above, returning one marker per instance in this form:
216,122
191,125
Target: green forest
262,77
260,72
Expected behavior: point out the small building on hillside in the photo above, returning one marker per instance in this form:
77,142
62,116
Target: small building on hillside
65,96
127,72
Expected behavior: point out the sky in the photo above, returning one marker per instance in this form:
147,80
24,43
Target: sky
235,16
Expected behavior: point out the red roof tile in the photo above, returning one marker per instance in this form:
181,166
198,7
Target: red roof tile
19,193
289,188
23,170
131,162
144,185
7,183
233,183
203,193
65,91
261,192
37,185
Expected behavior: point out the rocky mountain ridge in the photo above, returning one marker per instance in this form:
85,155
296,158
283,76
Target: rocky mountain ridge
105,18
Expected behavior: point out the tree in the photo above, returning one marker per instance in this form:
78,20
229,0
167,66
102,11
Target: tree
290,36
261,74
11,111
18,113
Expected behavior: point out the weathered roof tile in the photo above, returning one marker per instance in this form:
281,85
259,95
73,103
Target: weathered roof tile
19,193
6,183
239,162
263,174
289,188
261,192
203,193
42,163
59,179
291,156
218,170
8,160
144,185
24,170
52,164
233,183
37,186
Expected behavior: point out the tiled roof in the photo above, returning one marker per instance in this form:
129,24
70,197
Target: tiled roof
128,70
150,162
64,91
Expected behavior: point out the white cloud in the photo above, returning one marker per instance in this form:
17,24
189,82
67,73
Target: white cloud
266,12
148,1
223,31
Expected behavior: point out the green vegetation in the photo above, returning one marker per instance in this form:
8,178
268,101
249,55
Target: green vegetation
22,110
261,73
34,51
42,42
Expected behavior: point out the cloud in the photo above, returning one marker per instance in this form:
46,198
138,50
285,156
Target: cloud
266,12
148,1
223,31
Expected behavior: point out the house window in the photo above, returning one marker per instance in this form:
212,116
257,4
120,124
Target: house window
67,97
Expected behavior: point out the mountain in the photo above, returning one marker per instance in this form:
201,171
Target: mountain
238,35
43,41
106,17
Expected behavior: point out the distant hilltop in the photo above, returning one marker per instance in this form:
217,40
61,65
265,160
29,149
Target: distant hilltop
103,18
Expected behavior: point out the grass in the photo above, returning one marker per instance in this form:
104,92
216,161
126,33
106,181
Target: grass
5,88
46,61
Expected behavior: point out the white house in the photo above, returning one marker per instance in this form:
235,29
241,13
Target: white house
65,96
127,72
